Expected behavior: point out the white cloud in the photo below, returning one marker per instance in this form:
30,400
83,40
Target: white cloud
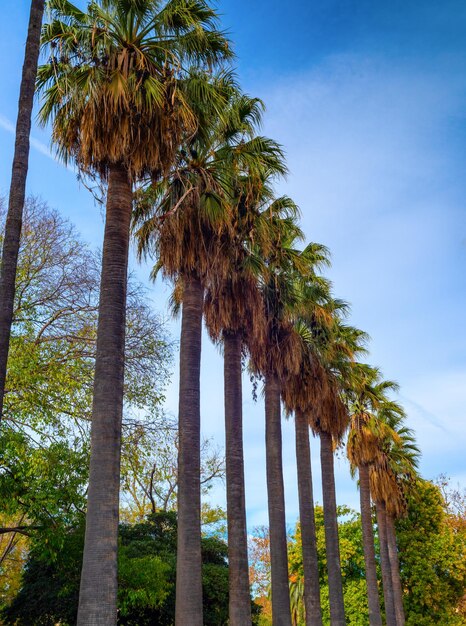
437,407
7,125
41,147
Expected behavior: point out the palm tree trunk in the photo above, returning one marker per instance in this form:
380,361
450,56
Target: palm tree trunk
335,585
375,617
189,560
98,591
239,594
19,172
307,522
395,569
385,565
281,613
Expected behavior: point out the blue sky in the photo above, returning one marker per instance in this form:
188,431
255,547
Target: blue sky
369,101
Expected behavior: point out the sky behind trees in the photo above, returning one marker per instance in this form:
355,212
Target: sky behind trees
369,101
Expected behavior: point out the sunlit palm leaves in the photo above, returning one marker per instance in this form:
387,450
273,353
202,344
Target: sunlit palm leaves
113,82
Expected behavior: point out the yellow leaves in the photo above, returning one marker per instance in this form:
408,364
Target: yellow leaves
118,90
123,61
154,91
13,554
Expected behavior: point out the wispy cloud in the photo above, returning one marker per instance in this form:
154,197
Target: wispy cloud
41,147
7,125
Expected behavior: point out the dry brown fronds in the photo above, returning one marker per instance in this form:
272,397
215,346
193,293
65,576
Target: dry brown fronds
187,242
385,488
234,305
124,128
281,352
363,446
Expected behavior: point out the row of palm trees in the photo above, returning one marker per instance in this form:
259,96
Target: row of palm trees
139,93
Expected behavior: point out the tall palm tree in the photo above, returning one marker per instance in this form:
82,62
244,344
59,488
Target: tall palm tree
404,456
275,359
281,609
366,393
317,392
390,478
188,222
299,393
11,240
394,566
307,522
387,582
113,90
329,419
233,314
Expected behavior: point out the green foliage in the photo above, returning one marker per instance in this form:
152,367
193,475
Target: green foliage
352,564
45,485
142,582
356,609
215,581
431,542
49,588
146,573
45,431
433,569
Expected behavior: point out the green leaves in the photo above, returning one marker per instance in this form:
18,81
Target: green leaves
431,548
146,577
44,443
143,582
45,486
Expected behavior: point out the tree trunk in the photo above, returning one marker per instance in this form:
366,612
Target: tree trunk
239,594
375,616
189,560
335,585
19,172
307,522
281,613
98,591
385,565
395,569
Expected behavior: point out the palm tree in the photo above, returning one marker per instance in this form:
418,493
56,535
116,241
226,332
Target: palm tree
233,313
11,240
113,90
188,222
394,566
387,581
277,358
329,419
307,521
390,478
367,394
404,456
299,393
317,392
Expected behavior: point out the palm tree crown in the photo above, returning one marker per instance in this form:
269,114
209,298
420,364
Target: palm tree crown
114,81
